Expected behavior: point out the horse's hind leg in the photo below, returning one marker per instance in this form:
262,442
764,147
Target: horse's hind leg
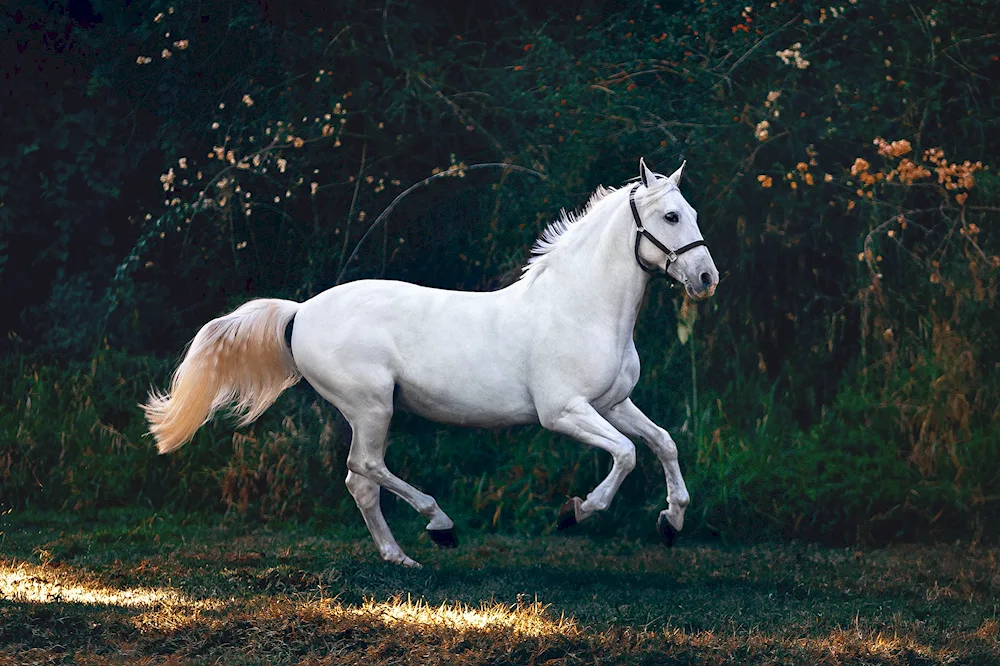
367,459
364,408
366,495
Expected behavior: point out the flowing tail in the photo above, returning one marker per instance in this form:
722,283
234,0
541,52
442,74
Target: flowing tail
240,360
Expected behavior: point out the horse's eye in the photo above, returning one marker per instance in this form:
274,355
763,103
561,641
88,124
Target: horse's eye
671,217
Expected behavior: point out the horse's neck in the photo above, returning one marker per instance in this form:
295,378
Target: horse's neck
600,278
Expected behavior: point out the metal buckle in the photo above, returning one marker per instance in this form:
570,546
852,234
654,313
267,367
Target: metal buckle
672,256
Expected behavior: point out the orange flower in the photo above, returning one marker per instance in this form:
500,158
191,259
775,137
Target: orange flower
894,149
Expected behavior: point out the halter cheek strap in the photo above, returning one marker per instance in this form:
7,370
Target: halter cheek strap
642,233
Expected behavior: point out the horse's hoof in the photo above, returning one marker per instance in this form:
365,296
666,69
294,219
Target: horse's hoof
567,514
665,530
444,538
396,556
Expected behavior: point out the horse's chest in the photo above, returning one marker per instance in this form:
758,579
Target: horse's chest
607,374
621,384
597,367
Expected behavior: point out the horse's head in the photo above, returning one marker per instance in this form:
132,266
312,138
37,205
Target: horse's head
668,236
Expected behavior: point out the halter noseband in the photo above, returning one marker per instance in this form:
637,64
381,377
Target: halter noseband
641,232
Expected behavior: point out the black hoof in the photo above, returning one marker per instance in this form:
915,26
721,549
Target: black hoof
567,514
444,538
666,531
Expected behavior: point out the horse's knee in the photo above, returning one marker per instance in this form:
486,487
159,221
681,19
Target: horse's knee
666,447
625,457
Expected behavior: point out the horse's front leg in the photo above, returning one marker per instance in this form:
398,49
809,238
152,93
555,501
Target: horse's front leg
630,420
579,420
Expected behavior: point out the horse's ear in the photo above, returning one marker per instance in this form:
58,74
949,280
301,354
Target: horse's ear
645,175
675,177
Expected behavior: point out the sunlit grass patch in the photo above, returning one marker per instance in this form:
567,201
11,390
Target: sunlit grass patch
526,619
27,583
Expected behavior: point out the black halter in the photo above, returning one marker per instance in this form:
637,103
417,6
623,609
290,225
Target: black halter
641,232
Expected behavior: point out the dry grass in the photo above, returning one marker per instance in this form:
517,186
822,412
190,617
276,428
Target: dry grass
165,593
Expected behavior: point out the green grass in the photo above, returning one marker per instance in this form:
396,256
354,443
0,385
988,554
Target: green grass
127,587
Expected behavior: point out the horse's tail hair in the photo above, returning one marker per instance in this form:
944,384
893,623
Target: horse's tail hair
239,360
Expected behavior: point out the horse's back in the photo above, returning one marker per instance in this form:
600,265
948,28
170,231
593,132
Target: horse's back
452,356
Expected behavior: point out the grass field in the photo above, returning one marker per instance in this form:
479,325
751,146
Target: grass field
147,589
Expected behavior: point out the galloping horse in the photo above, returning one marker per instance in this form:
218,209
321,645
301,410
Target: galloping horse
555,348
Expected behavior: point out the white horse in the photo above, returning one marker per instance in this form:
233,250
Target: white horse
554,348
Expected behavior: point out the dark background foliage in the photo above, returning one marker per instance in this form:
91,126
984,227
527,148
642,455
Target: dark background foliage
163,162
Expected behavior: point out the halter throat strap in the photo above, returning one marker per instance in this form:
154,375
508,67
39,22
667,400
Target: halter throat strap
641,233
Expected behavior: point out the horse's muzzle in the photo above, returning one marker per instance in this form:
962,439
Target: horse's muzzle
704,286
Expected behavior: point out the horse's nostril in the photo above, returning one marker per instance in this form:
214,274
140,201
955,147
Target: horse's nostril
706,280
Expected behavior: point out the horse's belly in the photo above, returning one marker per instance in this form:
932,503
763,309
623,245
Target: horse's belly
478,404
